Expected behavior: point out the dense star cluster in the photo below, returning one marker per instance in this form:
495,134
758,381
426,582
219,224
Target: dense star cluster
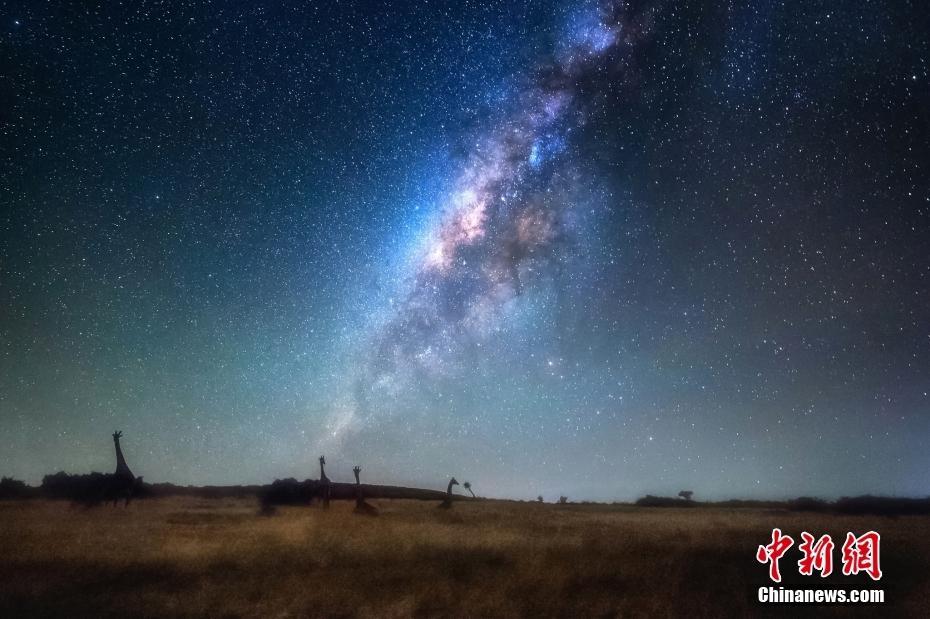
564,247
507,219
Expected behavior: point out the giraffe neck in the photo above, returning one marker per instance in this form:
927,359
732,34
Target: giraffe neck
449,489
323,473
122,469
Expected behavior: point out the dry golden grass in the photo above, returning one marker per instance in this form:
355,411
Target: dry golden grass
194,557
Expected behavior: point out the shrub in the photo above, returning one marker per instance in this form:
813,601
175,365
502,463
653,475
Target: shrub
15,489
808,504
663,501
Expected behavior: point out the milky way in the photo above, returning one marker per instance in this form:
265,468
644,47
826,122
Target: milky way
507,221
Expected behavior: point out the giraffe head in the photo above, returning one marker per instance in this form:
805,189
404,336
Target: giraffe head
453,482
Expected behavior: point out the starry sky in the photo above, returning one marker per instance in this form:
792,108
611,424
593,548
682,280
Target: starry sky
598,249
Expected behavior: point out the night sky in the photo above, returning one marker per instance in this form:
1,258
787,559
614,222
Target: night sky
546,247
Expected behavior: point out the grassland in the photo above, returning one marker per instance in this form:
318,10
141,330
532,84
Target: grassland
195,557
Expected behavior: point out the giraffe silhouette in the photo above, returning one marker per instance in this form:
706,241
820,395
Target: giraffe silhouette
327,487
122,484
447,502
361,506
122,469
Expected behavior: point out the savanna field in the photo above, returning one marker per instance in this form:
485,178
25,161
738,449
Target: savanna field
223,558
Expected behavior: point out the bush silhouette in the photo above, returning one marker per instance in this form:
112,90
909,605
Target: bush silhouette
663,501
15,489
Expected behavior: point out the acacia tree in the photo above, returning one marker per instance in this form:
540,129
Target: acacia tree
467,486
